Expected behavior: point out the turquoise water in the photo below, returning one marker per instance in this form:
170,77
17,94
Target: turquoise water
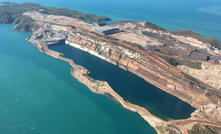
131,87
197,15
39,96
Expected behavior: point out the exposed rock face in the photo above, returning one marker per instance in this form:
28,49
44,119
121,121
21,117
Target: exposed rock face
210,74
146,66
187,40
213,111
144,41
167,43
62,20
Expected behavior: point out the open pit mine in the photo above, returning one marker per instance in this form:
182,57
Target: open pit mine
182,66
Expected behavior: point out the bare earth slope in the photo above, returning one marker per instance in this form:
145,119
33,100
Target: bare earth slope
210,74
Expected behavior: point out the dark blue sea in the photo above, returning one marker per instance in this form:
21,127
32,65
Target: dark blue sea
202,16
38,94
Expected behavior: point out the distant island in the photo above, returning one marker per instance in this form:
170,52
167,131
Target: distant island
182,63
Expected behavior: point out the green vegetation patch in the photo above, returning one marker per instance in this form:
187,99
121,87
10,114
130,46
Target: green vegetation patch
15,10
160,38
152,35
175,62
96,33
147,24
204,129
101,23
139,46
211,94
154,26
23,19
194,82
133,44
24,23
5,18
126,21
160,51
111,38
12,13
188,33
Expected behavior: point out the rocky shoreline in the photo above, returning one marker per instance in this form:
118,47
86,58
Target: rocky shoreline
134,57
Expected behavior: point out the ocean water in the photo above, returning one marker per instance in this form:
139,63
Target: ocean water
39,96
202,16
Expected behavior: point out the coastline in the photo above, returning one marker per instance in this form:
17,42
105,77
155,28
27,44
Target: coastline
128,50
77,33
102,87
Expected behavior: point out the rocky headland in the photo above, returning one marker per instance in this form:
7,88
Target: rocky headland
182,66
11,12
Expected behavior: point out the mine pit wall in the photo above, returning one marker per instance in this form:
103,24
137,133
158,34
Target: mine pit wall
142,71
81,47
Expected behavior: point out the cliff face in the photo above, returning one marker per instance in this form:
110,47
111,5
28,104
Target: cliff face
210,74
145,65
